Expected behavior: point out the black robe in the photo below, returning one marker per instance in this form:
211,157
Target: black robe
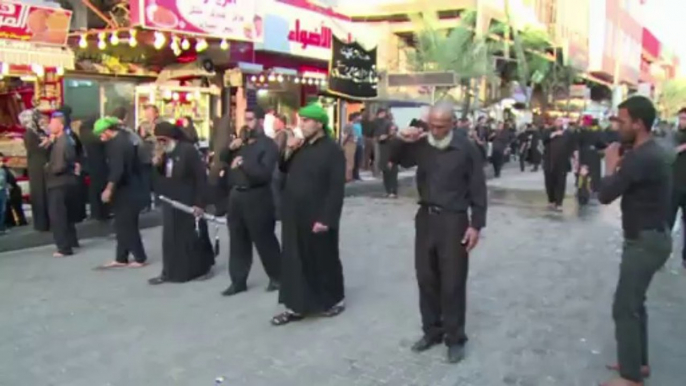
312,274
14,211
37,157
186,253
95,165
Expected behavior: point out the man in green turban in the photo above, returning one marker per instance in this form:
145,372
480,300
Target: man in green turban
312,202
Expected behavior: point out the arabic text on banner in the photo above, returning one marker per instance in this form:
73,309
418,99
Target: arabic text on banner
352,71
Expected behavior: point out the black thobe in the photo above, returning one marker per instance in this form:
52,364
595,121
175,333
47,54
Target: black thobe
556,164
79,194
590,142
95,165
14,212
60,179
186,248
37,157
312,274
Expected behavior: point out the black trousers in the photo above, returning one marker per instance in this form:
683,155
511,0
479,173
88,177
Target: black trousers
128,233
679,202
61,223
442,266
251,220
497,159
359,153
555,186
390,179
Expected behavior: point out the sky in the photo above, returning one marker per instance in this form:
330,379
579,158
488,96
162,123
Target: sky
666,19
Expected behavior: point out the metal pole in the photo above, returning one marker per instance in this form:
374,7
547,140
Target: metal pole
433,95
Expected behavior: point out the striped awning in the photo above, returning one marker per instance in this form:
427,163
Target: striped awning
43,56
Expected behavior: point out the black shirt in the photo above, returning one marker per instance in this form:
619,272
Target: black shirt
644,181
259,161
382,126
59,171
123,167
367,128
452,179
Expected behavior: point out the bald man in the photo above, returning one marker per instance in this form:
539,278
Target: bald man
448,206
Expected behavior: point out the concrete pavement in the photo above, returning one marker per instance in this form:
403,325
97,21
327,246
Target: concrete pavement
540,291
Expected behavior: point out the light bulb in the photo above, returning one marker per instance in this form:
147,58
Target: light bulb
60,71
296,80
5,69
261,78
279,78
271,78
225,45
83,41
201,45
102,45
185,44
253,79
132,38
114,39
175,96
159,40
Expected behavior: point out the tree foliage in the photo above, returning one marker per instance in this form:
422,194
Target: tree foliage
672,97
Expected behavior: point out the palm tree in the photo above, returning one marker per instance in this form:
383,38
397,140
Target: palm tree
459,50
672,97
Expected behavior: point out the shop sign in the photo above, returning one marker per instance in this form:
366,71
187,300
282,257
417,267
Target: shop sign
229,19
34,23
304,32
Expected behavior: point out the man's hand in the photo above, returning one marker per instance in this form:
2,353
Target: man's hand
319,228
197,212
45,142
157,159
556,133
77,169
383,137
106,196
294,143
470,239
612,157
681,148
411,134
235,144
237,162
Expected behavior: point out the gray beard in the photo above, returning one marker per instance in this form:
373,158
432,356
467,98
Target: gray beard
170,147
440,144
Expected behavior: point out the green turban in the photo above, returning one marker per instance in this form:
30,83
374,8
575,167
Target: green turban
103,124
317,113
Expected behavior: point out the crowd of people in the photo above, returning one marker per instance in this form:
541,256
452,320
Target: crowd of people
297,175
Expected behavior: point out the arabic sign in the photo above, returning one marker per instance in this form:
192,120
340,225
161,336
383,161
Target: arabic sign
304,32
34,23
352,71
229,19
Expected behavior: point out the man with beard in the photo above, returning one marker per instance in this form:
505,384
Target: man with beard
124,192
679,179
559,147
251,212
312,277
186,248
451,184
642,177
60,179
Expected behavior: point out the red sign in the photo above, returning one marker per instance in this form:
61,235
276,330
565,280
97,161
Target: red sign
314,38
34,23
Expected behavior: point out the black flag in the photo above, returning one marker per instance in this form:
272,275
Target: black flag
352,70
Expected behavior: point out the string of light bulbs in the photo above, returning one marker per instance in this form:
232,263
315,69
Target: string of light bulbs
177,43
278,78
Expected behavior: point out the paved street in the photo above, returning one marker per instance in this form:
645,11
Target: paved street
541,286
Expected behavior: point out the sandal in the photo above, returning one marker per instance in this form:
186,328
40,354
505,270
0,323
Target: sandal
334,311
285,318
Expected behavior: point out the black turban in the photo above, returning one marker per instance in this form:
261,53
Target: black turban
169,130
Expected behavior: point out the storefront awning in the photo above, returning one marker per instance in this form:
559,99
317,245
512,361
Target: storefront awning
43,56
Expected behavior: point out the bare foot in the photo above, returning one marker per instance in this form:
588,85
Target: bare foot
58,254
137,265
645,370
621,382
111,265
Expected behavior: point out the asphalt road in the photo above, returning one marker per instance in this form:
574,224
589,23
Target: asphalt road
540,292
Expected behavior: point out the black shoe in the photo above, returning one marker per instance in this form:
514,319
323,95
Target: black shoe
234,290
456,353
157,280
426,343
273,286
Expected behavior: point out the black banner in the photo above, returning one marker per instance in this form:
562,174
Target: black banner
352,71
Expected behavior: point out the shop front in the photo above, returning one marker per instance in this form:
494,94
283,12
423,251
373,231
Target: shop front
295,54
33,59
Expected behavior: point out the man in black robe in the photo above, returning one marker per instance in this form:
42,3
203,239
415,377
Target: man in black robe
36,142
95,164
559,147
79,194
312,274
452,199
60,180
251,212
501,139
187,252
124,191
